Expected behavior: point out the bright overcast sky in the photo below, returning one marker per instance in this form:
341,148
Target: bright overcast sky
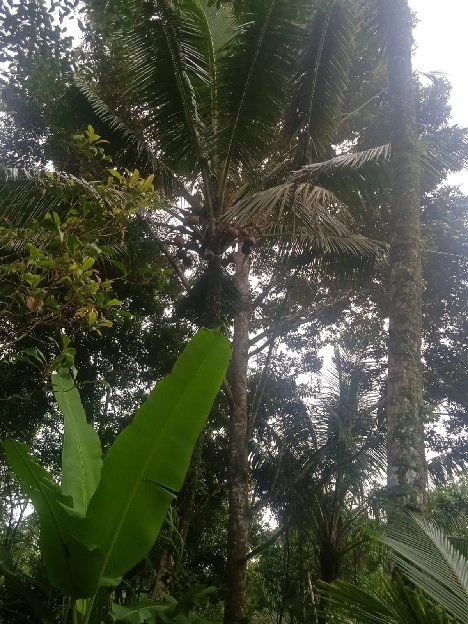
442,45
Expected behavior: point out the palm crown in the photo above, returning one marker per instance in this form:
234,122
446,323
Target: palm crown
235,109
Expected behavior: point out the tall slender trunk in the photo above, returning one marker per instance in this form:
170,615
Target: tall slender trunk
238,528
406,474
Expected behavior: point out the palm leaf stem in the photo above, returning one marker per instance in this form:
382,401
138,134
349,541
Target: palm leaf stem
172,261
191,114
245,88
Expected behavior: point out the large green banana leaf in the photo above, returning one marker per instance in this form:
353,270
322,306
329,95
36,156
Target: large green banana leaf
125,502
58,521
81,453
149,459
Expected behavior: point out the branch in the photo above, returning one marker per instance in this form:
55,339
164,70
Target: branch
265,292
172,261
43,320
293,322
300,474
266,544
228,392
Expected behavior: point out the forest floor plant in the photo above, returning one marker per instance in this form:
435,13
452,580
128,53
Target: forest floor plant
429,584
106,514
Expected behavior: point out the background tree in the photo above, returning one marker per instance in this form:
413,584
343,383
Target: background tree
406,456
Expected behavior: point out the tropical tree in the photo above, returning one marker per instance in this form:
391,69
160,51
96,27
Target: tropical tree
406,458
235,112
313,466
37,57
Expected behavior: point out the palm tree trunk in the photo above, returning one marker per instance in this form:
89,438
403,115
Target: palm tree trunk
406,461
238,528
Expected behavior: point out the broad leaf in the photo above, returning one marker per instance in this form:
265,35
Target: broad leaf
56,517
81,453
144,611
166,610
149,459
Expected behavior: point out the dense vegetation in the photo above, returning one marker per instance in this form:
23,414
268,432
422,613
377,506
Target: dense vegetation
275,171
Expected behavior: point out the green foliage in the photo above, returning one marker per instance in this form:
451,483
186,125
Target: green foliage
56,235
431,585
100,523
208,101
81,455
36,60
432,562
34,596
167,611
395,604
186,92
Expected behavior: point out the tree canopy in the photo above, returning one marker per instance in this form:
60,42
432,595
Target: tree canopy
238,165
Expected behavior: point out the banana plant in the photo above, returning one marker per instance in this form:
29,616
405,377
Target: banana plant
106,513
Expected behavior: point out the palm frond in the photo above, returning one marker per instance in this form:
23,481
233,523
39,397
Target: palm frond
22,196
319,85
396,603
131,150
430,561
217,29
347,162
169,77
371,31
278,201
302,218
357,177
443,152
346,415
255,69
27,196
444,468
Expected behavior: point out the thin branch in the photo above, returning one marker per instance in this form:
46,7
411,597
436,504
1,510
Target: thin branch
228,392
266,544
172,261
300,474
347,116
40,321
265,292
293,322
